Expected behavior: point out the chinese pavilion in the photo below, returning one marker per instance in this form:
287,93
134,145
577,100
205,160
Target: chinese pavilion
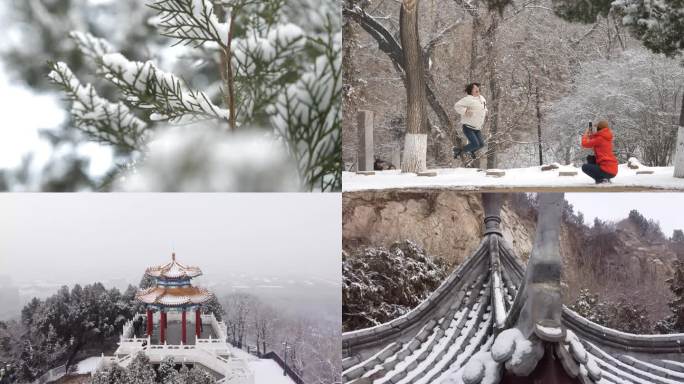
166,335
173,292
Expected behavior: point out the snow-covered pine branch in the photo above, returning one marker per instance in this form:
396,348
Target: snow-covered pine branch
147,87
284,77
264,62
191,22
308,116
101,119
91,46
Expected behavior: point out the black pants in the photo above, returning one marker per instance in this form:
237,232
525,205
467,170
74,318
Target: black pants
474,137
594,171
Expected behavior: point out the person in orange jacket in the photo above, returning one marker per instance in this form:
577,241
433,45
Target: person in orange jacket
602,166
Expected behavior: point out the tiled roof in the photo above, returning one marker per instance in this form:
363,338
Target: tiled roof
465,332
173,270
174,296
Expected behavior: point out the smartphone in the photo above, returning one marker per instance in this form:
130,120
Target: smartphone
590,127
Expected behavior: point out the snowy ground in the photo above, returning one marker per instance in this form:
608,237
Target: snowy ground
515,179
267,371
88,365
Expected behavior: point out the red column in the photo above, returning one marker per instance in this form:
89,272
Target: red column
184,338
150,322
162,328
198,324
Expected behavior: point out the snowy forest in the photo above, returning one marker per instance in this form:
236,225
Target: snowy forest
626,274
255,86
546,68
79,322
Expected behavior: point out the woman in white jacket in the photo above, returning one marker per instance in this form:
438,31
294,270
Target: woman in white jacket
473,109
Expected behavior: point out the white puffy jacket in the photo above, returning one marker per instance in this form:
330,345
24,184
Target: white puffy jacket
477,105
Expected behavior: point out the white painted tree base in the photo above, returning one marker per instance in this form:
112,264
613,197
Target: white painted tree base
415,153
679,154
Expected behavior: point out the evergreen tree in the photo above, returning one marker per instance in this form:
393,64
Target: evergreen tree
675,322
215,307
678,236
40,28
140,371
111,375
622,315
588,306
166,373
273,74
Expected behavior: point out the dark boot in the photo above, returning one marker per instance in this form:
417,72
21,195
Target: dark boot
457,152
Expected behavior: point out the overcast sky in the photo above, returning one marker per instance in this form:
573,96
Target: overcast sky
666,208
90,237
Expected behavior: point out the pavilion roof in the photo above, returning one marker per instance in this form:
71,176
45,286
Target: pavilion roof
173,270
174,296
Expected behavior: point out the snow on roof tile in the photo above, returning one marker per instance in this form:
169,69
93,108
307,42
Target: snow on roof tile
173,270
435,341
174,296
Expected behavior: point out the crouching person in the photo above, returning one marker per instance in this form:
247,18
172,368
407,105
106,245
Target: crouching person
602,166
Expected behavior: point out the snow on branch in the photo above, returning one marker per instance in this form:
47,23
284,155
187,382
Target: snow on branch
148,87
308,117
99,118
264,62
191,22
91,46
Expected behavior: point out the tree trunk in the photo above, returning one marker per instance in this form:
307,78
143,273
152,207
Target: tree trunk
474,41
72,355
679,149
416,119
491,57
539,116
388,44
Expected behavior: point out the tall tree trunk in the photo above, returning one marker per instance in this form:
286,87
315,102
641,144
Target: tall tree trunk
679,149
388,44
415,142
491,57
474,41
539,117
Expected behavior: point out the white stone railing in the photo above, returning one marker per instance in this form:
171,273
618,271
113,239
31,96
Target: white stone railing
51,375
235,371
132,346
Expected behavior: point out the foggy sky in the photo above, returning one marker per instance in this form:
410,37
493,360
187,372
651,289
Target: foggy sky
91,237
666,208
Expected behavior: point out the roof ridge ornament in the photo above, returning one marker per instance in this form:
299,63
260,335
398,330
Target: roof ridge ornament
535,316
491,203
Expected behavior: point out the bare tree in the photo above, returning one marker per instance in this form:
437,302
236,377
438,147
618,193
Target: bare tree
264,322
415,141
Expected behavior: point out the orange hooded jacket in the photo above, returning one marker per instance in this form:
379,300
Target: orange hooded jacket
602,144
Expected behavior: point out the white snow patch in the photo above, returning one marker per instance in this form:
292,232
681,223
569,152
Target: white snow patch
205,157
268,372
88,365
532,177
